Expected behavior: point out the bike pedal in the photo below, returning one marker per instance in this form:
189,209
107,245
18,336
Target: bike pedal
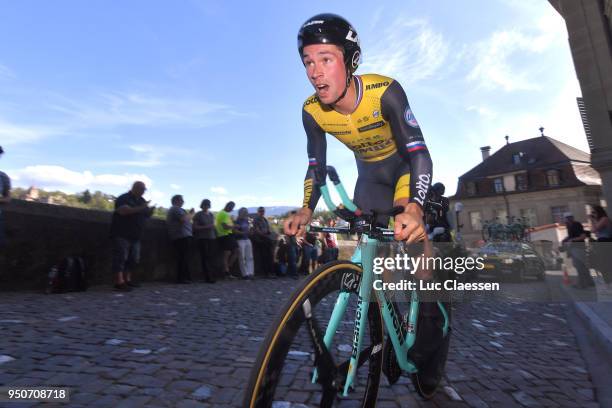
390,367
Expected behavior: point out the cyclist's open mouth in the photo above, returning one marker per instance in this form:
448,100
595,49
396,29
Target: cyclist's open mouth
322,89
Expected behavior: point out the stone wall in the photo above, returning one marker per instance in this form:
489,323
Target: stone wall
40,235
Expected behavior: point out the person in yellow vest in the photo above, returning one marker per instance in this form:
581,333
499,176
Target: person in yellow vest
224,225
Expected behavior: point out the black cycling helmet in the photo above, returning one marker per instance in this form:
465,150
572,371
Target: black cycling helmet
330,28
438,188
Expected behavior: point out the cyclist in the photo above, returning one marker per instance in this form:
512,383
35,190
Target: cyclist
370,114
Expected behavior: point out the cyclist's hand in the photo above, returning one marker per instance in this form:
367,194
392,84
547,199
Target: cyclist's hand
409,225
296,224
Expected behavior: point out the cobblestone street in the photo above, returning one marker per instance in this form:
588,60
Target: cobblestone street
194,345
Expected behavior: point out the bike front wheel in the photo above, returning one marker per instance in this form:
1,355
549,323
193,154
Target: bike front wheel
283,372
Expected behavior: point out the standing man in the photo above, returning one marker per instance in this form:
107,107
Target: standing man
204,233
227,241
5,198
263,243
179,229
576,250
129,217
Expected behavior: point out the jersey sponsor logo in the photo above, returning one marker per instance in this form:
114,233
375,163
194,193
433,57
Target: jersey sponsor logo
410,119
363,119
377,85
334,124
314,99
416,146
341,132
422,186
371,126
376,113
368,147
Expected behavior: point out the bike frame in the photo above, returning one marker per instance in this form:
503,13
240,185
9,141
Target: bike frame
402,337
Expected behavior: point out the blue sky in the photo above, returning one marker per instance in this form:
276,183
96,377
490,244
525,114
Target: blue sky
204,98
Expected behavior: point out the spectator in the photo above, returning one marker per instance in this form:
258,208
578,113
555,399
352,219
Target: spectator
179,230
331,243
574,242
263,244
309,253
602,228
129,217
226,240
245,249
281,256
5,197
204,232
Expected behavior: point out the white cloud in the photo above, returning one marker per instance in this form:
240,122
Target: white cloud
496,59
219,190
112,109
6,72
482,111
175,186
12,133
60,178
407,49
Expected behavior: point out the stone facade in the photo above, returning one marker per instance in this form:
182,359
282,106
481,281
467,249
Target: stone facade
546,207
590,39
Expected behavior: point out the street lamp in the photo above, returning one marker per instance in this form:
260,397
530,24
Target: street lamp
458,209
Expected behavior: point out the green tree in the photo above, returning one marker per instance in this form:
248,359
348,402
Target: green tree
85,197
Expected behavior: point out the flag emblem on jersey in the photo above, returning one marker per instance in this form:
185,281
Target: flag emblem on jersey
416,146
312,161
410,119
376,113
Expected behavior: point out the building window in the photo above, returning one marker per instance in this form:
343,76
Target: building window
471,188
501,215
557,213
521,182
516,158
498,183
529,216
552,178
475,220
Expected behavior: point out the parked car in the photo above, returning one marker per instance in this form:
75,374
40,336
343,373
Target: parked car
514,260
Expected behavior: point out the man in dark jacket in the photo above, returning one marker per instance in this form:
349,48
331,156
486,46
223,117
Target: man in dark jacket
131,213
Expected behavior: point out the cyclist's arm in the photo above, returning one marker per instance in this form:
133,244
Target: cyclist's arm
409,140
317,148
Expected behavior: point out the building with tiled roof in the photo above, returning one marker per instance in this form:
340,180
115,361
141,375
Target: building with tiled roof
536,179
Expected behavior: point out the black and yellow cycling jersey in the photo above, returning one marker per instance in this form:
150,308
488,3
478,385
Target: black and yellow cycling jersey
392,159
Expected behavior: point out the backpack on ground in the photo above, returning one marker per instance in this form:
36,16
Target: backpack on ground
69,275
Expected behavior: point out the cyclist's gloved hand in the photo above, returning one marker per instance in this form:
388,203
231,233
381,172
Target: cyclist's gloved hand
295,224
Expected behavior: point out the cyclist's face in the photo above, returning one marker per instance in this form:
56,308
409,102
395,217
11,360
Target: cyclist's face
325,69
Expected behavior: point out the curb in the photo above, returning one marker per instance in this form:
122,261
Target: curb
602,332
